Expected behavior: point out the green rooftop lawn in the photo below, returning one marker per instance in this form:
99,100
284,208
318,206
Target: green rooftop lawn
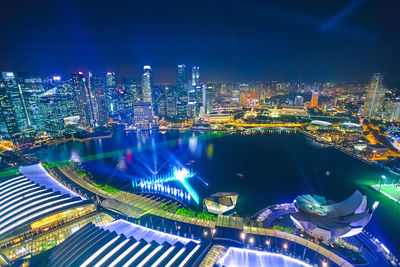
390,190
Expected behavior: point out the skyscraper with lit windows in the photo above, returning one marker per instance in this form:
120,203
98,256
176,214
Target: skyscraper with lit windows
375,97
195,76
146,85
111,94
82,99
314,99
14,112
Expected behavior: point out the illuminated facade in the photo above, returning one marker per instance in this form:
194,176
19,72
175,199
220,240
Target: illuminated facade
195,76
375,97
82,99
146,85
314,100
221,202
121,243
37,213
329,221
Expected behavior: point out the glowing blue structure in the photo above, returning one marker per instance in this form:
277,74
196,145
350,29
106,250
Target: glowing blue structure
157,184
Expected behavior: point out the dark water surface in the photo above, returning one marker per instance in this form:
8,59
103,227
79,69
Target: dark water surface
276,168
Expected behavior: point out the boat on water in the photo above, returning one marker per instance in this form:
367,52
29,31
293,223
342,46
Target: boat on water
240,175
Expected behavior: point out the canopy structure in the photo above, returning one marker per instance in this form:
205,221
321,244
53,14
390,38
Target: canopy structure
221,202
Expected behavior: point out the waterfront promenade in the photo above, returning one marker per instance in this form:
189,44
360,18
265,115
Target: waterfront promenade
136,206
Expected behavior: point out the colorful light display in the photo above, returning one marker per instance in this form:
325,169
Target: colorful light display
158,184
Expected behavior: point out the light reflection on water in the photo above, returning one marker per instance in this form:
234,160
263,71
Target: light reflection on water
273,168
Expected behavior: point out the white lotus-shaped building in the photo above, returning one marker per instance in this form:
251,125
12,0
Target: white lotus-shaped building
332,220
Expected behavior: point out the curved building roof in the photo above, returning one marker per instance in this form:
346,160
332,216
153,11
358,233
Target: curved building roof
330,220
321,123
116,245
350,124
27,198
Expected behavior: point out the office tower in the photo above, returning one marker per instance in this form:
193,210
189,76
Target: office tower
314,100
13,109
195,76
82,99
235,93
170,102
192,97
32,87
14,90
162,104
67,98
128,99
298,101
51,113
209,91
146,85
98,94
395,114
112,94
180,109
131,86
181,81
375,97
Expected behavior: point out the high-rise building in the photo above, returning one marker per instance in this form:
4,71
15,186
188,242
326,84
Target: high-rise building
98,94
314,99
298,101
195,76
128,99
170,102
67,98
13,108
112,94
375,97
32,87
82,99
181,81
209,91
146,85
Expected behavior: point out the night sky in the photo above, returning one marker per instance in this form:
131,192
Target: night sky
230,40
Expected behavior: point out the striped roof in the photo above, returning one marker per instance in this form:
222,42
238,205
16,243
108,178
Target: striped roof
23,200
98,246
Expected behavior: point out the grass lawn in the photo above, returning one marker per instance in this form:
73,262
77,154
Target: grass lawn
389,191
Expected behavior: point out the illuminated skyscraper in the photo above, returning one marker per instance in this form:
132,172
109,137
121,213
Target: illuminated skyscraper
209,91
98,90
13,108
128,99
298,101
82,99
181,75
146,85
170,102
112,94
375,97
314,100
195,76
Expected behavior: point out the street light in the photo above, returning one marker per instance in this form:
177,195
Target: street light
243,236
324,264
251,240
380,181
285,246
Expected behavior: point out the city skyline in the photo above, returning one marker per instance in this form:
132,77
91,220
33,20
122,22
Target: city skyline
239,41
